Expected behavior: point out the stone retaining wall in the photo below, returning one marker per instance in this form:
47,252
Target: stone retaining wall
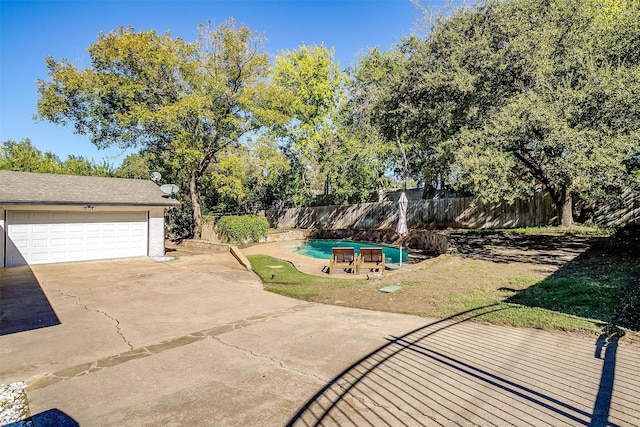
205,244
284,235
427,240
219,247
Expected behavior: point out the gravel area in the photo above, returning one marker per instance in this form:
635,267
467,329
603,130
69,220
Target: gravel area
14,408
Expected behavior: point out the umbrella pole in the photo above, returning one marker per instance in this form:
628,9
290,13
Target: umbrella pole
400,253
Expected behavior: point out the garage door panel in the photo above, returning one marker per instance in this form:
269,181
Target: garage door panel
54,254
58,228
39,229
41,256
39,216
21,243
76,254
37,237
20,229
39,243
76,228
93,240
58,242
111,253
20,215
93,253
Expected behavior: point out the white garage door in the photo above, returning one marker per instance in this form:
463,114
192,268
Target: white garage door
39,237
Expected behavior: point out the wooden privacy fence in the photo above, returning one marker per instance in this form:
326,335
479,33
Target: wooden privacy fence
621,212
462,212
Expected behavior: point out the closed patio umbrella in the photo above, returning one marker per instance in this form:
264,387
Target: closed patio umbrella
401,228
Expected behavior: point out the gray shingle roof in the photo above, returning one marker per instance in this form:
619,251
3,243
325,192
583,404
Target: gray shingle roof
20,188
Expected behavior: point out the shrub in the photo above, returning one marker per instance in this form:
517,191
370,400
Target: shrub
240,229
179,222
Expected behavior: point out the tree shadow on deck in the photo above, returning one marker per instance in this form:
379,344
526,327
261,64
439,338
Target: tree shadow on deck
447,373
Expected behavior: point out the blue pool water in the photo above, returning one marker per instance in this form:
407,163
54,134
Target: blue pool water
322,249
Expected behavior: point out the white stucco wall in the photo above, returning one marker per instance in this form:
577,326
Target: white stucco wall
156,232
2,237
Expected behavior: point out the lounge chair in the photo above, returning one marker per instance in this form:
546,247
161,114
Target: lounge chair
371,258
343,258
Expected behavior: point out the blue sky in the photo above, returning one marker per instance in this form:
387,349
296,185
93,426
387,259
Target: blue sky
31,30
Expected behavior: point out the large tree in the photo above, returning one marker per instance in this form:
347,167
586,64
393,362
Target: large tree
329,157
314,80
570,119
377,116
134,166
522,94
182,102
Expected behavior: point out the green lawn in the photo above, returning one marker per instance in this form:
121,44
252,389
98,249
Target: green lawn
281,277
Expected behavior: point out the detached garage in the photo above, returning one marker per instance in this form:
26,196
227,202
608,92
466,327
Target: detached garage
48,218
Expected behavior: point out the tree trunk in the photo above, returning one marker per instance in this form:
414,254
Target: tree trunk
565,208
426,189
194,191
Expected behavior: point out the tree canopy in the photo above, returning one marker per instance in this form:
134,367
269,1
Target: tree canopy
509,95
22,156
314,81
184,102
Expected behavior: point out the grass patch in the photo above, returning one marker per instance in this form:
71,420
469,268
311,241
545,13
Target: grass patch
486,303
306,293
579,297
281,277
491,304
272,270
538,318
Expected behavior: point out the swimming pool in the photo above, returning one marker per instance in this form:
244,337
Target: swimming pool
322,249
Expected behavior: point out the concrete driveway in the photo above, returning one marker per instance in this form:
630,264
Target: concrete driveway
196,341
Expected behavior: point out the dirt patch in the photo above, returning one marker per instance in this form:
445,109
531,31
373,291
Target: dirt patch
504,247
434,283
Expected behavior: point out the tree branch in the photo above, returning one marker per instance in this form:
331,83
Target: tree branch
538,173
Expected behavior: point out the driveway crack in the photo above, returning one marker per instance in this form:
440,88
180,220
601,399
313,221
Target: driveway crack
274,361
86,307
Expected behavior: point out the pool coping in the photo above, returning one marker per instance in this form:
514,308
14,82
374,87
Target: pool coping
319,267
368,244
